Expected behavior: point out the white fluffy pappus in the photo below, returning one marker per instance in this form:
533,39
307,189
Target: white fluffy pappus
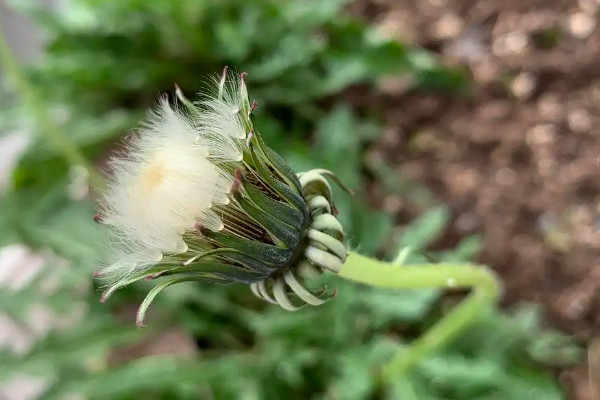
167,179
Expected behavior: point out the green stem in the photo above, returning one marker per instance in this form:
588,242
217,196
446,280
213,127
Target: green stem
486,291
47,125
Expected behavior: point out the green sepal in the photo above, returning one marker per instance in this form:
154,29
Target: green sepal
263,252
223,254
199,277
278,164
230,271
225,272
245,103
287,234
119,285
141,313
282,169
248,261
227,254
282,189
207,277
281,211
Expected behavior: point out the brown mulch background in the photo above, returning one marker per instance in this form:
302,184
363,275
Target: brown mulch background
518,158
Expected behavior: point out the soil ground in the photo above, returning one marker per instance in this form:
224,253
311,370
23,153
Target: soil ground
518,158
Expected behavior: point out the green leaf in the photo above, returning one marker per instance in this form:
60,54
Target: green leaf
422,232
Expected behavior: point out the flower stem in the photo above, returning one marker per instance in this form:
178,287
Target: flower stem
486,291
47,125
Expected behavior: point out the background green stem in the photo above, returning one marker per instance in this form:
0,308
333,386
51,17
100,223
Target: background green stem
486,291
33,101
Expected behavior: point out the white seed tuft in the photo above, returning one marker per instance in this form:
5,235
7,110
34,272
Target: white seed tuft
167,179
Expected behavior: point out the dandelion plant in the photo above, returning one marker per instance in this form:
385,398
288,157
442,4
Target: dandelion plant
197,195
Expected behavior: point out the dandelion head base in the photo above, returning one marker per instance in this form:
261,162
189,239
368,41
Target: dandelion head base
324,250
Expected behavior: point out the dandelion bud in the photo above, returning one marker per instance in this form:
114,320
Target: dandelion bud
198,196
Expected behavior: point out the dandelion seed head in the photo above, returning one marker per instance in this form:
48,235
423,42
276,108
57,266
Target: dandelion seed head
197,195
167,179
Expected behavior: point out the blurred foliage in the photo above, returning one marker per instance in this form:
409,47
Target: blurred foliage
104,63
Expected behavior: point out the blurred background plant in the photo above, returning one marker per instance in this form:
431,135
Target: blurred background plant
315,68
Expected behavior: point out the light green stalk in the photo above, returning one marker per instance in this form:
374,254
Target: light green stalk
486,291
47,126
